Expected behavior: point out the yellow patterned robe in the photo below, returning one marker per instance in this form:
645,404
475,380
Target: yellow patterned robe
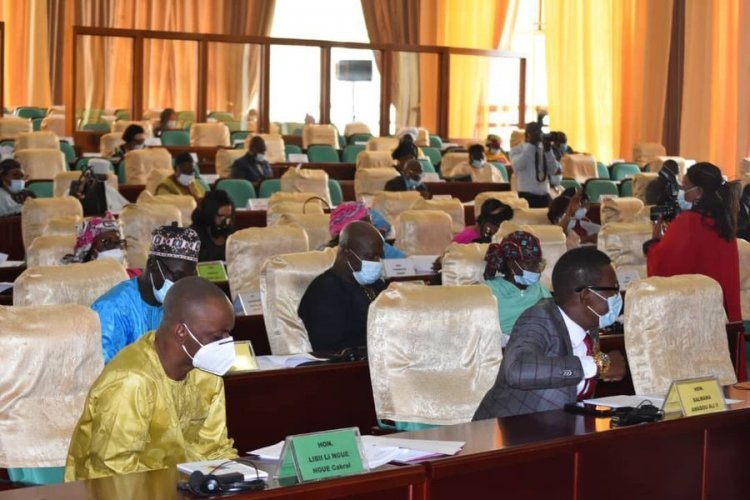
137,419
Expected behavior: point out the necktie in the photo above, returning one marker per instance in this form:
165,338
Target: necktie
590,386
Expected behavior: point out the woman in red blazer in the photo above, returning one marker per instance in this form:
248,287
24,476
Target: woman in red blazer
702,239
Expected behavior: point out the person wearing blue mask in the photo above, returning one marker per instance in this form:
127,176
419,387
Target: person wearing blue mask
335,304
381,224
552,357
409,179
253,166
133,307
514,267
13,192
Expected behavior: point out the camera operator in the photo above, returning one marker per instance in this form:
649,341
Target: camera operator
533,164
663,193
560,145
701,239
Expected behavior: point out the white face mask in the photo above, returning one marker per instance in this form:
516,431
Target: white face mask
580,213
260,157
682,202
216,357
171,124
161,293
17,185
477,163
116,254
185,179
369,272
494,151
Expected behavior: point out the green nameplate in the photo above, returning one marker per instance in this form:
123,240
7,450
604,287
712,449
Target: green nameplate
212,271
321,455
695,396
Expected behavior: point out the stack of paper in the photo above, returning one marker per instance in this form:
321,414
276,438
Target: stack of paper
288,361
379,450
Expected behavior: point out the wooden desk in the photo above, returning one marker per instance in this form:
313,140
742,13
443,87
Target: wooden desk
563,456
337,171
386,483
252,328
249,218
264,407
11,241
465,191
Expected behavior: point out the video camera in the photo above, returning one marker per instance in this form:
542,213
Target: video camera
669,208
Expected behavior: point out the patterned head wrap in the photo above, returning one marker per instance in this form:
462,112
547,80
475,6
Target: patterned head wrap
173,242
519,245
344,214
493,141
379,221
87,232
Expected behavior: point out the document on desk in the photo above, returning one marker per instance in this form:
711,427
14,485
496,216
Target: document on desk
289,361
379,450
633,401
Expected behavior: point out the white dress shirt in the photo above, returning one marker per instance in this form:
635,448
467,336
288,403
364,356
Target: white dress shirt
577,335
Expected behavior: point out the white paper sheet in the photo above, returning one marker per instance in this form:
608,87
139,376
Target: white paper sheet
289,361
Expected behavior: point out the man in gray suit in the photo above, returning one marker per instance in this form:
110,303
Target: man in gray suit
550,359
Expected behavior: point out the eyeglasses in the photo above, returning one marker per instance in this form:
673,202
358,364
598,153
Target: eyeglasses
536,267
596,288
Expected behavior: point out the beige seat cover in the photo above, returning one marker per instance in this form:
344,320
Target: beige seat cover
58,351
109,142
579,166
315,225
620,210
138,221
368,181
69,284
463,264
374,159
41,163
645,152
37,140
209,134
283,281
392,203
248,249
423,232
224,160
320,134
387,144
49,250
184,202
664,344
438,369
140,163
453,207
36,213
306,180
11,126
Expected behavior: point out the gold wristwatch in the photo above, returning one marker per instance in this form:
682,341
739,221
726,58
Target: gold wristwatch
602,363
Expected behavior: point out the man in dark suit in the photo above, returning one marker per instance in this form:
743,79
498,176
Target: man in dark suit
552,357
253,166
409,180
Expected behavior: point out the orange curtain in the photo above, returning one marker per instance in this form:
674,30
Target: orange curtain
397,22
716,98
27,76
171,66
607,67
472,24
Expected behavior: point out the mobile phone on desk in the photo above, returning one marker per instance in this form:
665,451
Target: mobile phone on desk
588,409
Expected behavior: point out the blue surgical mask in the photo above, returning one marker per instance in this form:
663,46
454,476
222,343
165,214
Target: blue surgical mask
412,184
580,213
369,272
684,204
477,163
161,293
260,157
615,306
527,278
17,185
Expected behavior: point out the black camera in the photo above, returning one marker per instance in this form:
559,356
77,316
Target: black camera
670,209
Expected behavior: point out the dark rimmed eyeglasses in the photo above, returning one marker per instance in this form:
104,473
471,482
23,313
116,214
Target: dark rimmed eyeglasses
615,289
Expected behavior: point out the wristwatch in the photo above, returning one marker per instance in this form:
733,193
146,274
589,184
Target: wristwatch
602,363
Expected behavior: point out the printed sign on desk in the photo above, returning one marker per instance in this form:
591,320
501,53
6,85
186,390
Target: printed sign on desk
258,204
212,271
398,267
250,303
696,396
322,455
